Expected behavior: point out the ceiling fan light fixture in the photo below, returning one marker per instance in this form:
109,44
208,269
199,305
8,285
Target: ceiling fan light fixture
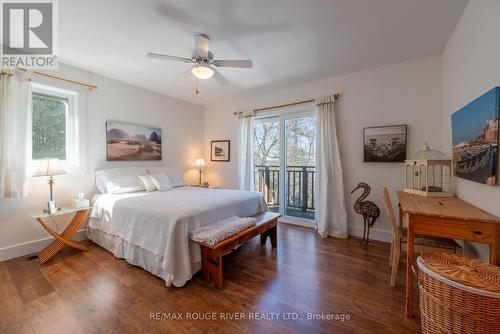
202,71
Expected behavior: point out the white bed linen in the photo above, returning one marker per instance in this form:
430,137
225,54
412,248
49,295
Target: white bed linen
160,222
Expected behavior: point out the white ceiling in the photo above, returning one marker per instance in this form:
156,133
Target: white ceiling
290,41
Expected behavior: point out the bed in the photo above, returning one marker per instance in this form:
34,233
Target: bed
151,229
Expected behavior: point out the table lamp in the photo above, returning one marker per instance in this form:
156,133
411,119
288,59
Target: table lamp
50,167
200,163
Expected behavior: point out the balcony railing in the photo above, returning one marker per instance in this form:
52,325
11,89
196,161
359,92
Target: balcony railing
299,182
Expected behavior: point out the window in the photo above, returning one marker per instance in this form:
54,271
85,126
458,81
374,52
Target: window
54,131
49,126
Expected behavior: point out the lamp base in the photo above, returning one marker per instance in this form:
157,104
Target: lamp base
51,207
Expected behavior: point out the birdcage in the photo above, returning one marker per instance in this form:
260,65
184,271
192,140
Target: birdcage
429,173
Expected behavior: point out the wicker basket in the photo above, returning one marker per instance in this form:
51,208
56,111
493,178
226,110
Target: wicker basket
458,294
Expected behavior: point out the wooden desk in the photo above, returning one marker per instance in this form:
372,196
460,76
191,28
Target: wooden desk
447,217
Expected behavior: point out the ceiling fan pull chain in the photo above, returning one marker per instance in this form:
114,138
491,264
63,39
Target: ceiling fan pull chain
196,90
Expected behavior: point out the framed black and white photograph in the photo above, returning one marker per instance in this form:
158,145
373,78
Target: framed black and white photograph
385,143
220,150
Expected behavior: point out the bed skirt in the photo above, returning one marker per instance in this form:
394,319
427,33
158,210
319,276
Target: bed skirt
134,255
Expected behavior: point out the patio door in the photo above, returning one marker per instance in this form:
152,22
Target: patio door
299,154
284,164
267,161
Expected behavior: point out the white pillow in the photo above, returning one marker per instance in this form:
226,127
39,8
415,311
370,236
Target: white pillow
148,182
162,181
120,180
176,177
173,173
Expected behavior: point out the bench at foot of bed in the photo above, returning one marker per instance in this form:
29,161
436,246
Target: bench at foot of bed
211,255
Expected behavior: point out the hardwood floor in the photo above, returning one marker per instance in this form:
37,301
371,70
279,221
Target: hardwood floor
93,292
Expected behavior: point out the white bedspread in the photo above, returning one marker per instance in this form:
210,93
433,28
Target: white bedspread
160,222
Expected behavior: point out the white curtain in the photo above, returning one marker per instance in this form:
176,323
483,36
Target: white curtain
15,134
247,120
331,213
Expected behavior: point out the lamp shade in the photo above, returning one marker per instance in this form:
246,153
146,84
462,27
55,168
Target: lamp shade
200,163
202,71
50,167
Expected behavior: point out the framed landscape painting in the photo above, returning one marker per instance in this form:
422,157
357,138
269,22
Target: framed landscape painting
475,139
220,150
384,143
132,142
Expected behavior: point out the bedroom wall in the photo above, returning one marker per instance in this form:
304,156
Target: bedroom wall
182,130
403,93
470,67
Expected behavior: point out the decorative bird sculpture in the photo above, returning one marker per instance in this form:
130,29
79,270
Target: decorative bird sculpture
367,209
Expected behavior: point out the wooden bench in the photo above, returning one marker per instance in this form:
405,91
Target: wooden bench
211,255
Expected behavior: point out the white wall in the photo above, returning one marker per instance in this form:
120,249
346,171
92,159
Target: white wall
182,132
471,67
403,93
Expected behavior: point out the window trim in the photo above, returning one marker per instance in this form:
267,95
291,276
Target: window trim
72,119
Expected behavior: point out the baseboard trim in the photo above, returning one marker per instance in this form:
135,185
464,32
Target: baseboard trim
355,231
28,248
297,221
381,235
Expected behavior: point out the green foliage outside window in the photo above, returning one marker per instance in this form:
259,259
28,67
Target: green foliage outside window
300,142
49,127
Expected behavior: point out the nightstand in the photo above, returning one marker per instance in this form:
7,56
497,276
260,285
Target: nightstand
81,215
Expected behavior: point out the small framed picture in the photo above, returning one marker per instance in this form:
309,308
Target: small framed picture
220,150
384,143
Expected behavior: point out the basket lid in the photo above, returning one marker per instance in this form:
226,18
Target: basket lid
464,270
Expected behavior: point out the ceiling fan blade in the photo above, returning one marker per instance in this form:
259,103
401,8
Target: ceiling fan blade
167,57
202,43
220,79
234,63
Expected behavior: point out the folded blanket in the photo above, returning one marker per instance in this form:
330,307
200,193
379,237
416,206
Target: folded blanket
223,229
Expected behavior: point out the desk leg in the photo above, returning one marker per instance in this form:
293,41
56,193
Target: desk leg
495,250
409,263
401,216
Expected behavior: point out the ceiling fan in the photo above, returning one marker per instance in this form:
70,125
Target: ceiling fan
204,61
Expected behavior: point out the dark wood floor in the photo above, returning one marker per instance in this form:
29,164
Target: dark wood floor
93,292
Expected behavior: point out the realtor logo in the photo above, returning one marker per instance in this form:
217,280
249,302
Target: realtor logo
28,33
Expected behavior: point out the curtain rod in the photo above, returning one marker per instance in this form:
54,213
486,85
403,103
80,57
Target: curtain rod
291,104
89,86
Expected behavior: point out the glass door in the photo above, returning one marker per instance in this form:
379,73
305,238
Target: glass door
267,161
284,163
300,134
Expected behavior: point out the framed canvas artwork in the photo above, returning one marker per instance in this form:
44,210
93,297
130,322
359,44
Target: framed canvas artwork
475,139
384,143
132,142
220,150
